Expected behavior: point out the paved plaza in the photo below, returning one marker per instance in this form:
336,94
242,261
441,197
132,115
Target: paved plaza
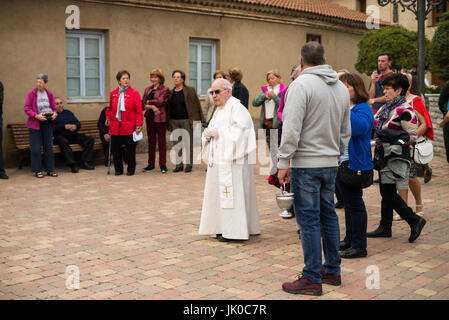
137,238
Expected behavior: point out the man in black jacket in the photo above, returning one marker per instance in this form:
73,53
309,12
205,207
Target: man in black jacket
2,167
442,104
105,137
66,133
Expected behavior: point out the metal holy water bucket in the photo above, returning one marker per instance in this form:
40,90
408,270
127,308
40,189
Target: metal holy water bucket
285,200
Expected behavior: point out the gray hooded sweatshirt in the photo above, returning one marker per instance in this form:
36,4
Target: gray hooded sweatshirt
316,120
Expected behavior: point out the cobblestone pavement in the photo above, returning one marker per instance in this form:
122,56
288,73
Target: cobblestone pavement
137,238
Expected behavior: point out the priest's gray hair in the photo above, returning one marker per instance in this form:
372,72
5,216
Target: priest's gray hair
43,77
224,83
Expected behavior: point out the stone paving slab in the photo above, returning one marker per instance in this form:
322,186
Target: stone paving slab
137,238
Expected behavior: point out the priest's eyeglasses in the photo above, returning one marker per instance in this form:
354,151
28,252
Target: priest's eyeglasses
217,92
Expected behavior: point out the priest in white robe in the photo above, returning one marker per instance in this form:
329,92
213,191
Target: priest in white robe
229,143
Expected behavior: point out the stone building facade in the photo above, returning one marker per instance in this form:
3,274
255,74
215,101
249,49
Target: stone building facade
197,36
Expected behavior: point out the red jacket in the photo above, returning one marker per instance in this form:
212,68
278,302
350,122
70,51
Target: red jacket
160,100
131,118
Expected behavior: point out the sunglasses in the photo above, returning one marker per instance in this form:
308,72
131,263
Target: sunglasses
217,92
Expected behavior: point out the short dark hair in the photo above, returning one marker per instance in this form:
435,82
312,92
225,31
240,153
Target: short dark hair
396,81
121,73
354,80
385,54
312,53
183,75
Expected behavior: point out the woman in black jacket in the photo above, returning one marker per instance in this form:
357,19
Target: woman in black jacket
239,90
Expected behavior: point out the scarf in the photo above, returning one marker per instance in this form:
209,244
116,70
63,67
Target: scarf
385,112
121,102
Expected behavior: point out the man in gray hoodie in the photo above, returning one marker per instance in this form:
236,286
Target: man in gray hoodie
316,131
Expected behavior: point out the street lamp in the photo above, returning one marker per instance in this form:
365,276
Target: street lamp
421,9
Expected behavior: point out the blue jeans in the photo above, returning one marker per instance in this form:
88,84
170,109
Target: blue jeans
42,138
315,213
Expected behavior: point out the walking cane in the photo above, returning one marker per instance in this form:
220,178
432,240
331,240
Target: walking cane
109,157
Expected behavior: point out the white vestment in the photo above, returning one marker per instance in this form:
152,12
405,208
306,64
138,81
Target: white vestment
229,205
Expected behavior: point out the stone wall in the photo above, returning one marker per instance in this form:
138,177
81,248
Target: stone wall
436,116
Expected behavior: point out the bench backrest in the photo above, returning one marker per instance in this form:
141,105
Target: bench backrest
21,136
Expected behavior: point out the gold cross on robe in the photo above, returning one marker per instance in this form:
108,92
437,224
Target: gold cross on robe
226,192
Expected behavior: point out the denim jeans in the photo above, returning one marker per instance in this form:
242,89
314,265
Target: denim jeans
38,139
355,215
315,213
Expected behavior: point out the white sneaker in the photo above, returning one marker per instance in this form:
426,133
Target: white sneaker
397,218
287,215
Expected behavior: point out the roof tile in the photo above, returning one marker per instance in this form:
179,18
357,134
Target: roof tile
322,7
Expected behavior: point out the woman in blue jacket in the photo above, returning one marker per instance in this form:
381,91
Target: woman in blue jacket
358,155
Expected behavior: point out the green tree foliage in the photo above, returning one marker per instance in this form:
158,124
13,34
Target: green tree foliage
401,43
439,49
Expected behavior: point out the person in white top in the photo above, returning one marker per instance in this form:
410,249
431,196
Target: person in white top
229,207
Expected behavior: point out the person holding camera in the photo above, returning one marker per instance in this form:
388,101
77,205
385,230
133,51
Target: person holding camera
376,91
41,111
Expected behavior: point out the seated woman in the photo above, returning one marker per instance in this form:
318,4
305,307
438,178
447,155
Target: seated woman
395,115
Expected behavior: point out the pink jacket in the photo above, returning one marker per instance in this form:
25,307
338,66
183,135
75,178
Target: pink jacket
281,103
31,108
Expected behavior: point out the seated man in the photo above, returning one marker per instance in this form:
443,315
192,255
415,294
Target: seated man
104,134
66,133
105,137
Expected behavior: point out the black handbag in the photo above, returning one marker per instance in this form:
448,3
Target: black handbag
354,179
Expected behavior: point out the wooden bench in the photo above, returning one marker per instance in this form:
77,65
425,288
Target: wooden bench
21,138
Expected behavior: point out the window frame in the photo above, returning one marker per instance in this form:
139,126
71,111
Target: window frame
82,35
200,43
313,37
436,15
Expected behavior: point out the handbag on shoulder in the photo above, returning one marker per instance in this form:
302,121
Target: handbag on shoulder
354,178
423,151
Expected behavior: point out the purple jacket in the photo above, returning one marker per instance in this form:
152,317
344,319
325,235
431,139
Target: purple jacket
31,108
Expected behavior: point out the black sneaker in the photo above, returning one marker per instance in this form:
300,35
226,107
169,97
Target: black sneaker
147,168
164,169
